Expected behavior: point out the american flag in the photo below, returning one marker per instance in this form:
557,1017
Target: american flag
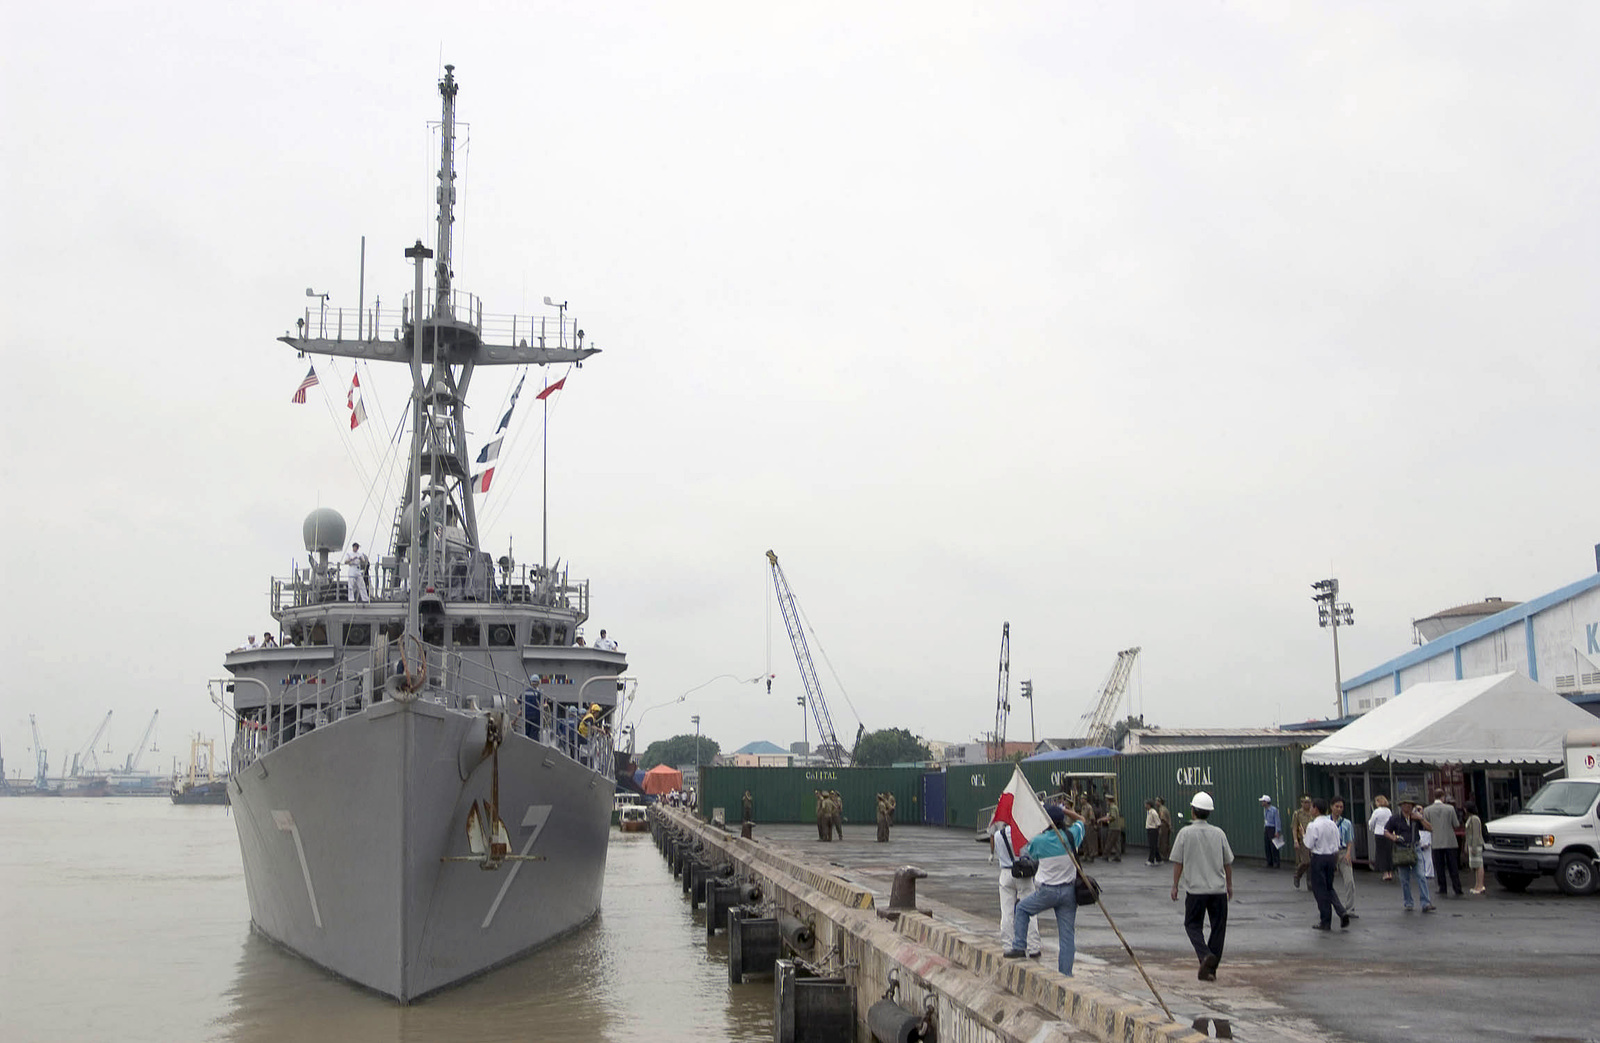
305,385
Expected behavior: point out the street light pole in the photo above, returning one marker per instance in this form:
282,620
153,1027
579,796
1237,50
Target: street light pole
805,734
1331,612
696,720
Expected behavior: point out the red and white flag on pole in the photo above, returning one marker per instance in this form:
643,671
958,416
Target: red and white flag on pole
358,412
305,385
1019,808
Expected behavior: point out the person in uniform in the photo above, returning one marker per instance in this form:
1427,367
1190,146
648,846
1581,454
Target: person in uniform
355,574
745,807
1118,830
1007,844
1165,828
824,817
1297,828
885,816
836,813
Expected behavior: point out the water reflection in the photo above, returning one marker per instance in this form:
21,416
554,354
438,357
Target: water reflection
643,970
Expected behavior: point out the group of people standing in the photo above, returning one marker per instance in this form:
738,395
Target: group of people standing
1157,831
1416,843
830,814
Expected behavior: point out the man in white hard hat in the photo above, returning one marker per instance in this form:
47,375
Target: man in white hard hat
1202,867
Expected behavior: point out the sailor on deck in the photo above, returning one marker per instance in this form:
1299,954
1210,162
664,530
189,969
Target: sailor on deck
355,577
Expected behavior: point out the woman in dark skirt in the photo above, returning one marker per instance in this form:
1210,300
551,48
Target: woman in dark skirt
1383,849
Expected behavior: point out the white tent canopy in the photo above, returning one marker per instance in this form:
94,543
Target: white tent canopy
1498,719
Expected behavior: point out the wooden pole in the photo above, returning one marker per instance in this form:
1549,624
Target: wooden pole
1073,854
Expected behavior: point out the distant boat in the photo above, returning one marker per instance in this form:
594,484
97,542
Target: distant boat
200,784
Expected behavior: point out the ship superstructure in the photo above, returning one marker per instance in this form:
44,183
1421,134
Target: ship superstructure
415,798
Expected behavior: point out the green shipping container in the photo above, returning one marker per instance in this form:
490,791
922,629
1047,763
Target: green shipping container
789,794
970,789
1235,777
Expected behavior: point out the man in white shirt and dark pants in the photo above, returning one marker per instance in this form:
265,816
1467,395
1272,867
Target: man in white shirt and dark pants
1012,889
1323,842
1202,867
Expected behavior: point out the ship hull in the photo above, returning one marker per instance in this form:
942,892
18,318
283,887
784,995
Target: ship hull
345,833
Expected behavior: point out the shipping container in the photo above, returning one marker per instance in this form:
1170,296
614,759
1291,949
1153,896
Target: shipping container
1235,777
933,804
789,794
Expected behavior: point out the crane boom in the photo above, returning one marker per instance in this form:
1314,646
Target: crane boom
82,759
1002,702
133,758
41,758
1100,720
827,741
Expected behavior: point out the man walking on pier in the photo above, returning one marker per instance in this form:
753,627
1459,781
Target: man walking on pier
1322,841
1202,868
1271,830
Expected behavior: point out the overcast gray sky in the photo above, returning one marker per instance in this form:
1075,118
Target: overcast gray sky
1119,322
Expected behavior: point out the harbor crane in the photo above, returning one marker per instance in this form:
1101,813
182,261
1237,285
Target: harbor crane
827,741
1101,719
41,759
87,756
132,764
1002,702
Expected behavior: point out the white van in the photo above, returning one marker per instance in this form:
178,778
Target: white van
1558,833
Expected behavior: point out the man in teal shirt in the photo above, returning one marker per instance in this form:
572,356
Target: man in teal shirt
1057,879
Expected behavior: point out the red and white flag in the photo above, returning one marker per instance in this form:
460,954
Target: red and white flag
1020,809
358,412
552,388
307,384
480,482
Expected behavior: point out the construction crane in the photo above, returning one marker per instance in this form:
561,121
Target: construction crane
86,756
1101,720
41,771
1002,701
132,764
827,741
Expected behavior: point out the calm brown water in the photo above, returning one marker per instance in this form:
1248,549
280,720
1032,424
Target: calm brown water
126,920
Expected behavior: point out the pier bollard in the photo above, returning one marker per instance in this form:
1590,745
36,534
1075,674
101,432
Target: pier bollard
903,895
811,1010
891,1023
746,830
752,944
797,934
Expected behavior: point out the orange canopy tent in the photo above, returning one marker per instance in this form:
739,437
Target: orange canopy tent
662,779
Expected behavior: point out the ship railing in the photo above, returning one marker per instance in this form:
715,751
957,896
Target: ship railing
305,702
324,322
306,587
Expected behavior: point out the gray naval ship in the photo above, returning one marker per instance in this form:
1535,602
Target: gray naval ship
414,800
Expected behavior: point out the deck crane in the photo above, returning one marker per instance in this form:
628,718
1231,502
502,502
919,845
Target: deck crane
132,764
41,759
1002,702
84,757
827,741
1100,720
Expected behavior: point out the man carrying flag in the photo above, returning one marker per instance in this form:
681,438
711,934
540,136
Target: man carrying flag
1057,876
1006,838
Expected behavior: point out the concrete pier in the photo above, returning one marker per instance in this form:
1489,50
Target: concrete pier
977,995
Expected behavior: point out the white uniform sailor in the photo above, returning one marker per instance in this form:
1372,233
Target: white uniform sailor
355,580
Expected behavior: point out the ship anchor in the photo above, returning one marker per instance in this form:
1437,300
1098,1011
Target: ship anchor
486,832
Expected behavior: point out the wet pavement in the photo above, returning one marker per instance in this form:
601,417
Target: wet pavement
1492,967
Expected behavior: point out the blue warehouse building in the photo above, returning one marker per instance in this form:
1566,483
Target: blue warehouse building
1553,640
